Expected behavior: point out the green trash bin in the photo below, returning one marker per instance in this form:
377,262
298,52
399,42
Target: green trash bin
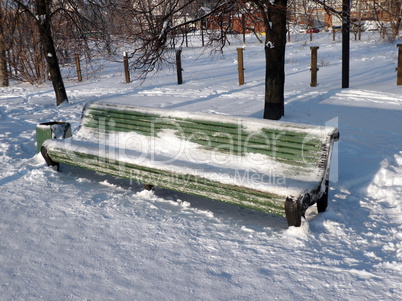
51,130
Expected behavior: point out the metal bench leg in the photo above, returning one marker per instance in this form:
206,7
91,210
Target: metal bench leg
48,160
148,187
322,202
296,209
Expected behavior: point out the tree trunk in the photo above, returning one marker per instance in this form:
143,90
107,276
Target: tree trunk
3,58
43,19
3,66
396,19
275,45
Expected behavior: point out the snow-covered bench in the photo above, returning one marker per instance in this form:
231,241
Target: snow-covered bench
276,167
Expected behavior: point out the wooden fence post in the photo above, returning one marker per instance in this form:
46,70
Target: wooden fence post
179,68
78,67
314,67
399,68
240,65
126,69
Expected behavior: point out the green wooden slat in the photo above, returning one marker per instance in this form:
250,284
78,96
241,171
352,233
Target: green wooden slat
286,144
162,122
280,155
283,154
230,127
284,151
186,183
251,145
212,136
203,125
84,156
105,111
139,130
146,116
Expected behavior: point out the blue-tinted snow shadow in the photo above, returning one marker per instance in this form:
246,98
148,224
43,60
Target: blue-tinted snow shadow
136,94
210,97
368,135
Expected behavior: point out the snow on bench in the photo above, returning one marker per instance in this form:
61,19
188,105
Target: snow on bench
277,167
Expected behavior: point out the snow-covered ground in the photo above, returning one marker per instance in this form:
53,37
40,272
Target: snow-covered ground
78,235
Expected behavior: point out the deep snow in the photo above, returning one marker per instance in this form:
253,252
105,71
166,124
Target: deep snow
78,235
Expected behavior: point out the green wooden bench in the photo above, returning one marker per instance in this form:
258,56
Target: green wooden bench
276,167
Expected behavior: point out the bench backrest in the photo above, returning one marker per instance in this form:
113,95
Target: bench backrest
298,145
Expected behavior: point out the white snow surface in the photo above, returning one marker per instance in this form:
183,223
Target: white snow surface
79,235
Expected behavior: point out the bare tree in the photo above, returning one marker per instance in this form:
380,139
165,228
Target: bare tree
391,11
274,14
24,52
396,16
45,30
40,15
43,16
3,58
21,56
157,22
